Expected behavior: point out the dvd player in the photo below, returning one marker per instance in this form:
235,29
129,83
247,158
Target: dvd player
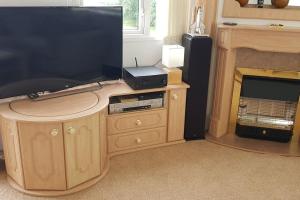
128,103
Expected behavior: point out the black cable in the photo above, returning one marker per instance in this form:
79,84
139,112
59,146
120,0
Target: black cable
136,63
158,62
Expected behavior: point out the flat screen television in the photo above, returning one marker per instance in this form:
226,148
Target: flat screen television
54,48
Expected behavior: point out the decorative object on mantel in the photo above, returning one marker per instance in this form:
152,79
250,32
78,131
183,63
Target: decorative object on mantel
230,23
243,2
277,26
280,3
260,3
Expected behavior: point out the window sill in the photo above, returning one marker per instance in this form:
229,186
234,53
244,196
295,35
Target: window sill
140,38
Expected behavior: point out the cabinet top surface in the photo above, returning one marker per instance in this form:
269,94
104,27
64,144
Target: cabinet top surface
60,106
70,107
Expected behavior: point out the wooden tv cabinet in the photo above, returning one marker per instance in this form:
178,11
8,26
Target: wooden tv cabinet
62,145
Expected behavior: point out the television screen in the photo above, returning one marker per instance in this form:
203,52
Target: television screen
54,48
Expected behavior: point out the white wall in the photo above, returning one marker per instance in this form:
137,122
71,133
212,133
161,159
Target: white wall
148,51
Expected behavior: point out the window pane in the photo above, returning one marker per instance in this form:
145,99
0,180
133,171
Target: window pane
131,10
153,16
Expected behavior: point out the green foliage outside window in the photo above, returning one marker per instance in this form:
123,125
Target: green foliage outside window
131,12
153,15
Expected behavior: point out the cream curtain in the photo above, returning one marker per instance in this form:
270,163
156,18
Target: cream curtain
178,20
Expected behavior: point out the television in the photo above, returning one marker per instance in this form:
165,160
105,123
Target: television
55,48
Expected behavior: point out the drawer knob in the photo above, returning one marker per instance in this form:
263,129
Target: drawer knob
71,130
138,122
174,96
138,140
264,132
54,132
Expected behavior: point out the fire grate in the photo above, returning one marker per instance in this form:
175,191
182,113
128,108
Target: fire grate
266,113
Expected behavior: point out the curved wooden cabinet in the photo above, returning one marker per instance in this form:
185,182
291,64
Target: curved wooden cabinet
59,146
12,154
55,158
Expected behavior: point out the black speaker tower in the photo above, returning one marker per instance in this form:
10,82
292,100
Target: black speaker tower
196,72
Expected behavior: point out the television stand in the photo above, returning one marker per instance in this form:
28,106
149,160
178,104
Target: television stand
62,145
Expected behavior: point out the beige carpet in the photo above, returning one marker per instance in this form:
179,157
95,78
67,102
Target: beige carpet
192,171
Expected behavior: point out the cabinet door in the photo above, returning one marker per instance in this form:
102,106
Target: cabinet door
11,149
177,101
42,153
82,146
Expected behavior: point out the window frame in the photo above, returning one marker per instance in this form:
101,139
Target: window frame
143,28
140,28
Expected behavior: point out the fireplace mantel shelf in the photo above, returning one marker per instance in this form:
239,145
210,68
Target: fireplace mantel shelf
261,38
230,39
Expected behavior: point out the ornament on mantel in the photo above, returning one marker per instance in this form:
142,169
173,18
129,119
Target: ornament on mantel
197,25
260,3
280,3
243,2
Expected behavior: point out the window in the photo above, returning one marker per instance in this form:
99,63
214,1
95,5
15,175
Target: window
139,16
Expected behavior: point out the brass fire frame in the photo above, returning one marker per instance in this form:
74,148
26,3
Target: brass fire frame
238,80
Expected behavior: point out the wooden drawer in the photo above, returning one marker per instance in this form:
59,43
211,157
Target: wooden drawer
137,139
136,121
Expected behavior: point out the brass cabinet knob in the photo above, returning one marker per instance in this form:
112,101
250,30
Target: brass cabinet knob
54,132
138,140
264,132
71,130
174,96
138,122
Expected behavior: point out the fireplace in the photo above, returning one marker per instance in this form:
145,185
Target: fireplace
267,105
267,53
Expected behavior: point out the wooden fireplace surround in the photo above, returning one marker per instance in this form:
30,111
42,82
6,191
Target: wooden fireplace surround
231,38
